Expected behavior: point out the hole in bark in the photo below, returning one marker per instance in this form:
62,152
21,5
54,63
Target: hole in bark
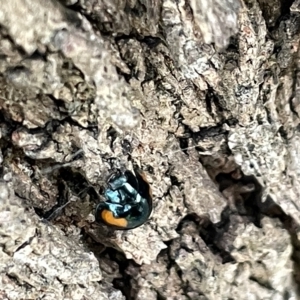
112,134
151,41
175,181
126,147
124,283
210,233
184,143
150,169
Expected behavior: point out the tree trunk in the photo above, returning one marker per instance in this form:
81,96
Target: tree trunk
202,95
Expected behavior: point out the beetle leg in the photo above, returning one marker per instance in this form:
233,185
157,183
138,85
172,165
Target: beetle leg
117,182
112,196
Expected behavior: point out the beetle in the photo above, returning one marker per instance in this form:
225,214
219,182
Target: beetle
128,201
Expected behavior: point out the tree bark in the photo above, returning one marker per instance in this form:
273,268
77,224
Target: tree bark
202,95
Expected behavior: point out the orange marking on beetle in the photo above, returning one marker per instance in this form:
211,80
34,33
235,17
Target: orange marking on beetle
108,217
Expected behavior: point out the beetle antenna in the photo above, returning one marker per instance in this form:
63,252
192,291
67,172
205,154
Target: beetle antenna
56,212
48,170
188,148
181,149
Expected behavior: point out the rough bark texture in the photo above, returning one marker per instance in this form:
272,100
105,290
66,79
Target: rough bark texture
202,95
